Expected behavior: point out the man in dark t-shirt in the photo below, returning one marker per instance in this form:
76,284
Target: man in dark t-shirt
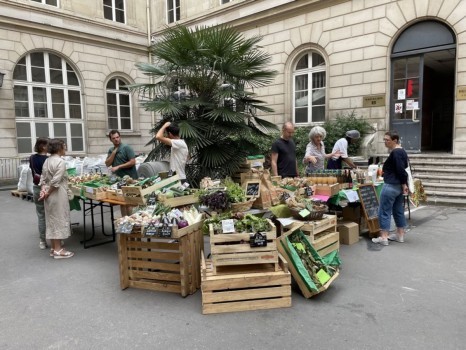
284,153
121,158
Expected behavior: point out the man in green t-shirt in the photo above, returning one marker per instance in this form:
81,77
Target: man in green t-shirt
121,158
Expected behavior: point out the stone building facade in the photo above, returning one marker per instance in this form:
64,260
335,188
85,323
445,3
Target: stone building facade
65,65
399,64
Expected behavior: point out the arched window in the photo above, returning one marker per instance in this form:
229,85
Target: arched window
48,102
309,88
118,105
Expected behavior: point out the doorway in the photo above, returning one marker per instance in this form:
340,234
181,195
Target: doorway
422,87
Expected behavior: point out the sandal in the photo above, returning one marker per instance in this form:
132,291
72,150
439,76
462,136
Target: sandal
51,252
62,254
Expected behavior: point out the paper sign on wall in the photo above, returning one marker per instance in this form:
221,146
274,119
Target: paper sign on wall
398,108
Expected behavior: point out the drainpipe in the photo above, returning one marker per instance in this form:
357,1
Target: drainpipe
149,43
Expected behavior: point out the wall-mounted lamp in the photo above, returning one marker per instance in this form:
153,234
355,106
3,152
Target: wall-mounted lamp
1,79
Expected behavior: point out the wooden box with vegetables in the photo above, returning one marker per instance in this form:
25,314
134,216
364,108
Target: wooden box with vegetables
244,289
150,257
313,273
137,193
251,240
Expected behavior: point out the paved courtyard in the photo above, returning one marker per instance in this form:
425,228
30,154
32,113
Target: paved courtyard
404,296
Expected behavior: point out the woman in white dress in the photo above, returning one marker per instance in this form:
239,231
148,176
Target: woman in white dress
54,184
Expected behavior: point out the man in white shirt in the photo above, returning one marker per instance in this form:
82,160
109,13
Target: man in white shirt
179,149
341,146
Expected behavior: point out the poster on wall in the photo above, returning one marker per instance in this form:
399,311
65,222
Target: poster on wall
409,105
401,94
398,108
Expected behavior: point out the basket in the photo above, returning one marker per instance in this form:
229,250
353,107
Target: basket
243,206
315,215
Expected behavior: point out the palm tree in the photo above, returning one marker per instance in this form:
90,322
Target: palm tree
203,80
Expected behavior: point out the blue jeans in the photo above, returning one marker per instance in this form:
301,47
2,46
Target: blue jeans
391,202
40,211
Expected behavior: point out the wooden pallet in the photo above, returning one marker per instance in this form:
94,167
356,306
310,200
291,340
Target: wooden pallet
161,264
229,249
251,289
21,194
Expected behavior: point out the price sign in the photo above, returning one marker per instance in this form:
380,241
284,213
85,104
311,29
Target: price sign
258,239
228,226
308,191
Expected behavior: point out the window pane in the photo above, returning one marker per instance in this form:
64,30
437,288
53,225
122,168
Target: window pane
111,99
54,61
318,114
412,88
170,5
77,144
76,130
178,16
399,69
56,76
39,94
108,3
113,123
122,85
40,102
120,4
20,93
59,130
58,96
125,112
108,13
413,66
120,16
72,78
125,124
21,109
301,82
112,111
75,112
124,100
24,145
74,96
318,80
302,63
318,97
20,72
317,60
23,129
170,17
38,74
42,129
301,99
397,85
58,110
111,84
37,59
301,115
52,2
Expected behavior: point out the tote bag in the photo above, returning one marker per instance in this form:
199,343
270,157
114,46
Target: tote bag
410,179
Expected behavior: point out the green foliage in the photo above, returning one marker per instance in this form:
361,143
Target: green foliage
202,81
337,128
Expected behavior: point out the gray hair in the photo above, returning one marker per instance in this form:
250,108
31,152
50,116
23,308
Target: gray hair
317,131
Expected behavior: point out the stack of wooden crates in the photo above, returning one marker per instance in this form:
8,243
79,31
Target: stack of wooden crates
323,234
239,277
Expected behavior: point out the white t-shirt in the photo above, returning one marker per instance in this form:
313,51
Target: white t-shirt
178,157
342,146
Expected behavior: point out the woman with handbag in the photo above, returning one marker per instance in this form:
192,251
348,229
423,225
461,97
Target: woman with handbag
394,189
54,192
36,162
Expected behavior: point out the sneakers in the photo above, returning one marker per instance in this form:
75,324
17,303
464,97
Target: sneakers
395,237
380,240
43,245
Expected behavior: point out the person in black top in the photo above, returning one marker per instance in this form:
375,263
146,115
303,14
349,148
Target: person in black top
284,153
394,189
36,161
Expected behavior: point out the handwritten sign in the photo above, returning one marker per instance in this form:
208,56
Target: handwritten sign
252,189
369,201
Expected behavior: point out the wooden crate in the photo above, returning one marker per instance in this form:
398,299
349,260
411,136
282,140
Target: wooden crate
284,251
96,193
327,190
75,189
244,290
229,249
116,195
177,232
325,242
134,195
311,228
178,201
161,264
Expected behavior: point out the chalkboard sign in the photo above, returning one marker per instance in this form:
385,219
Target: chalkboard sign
252,189
369,201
